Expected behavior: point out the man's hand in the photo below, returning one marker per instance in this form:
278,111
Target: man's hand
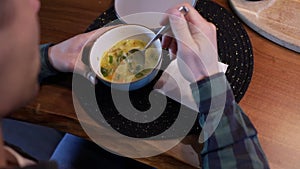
65,55
193,42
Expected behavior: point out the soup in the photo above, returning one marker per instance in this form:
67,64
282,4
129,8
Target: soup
114,66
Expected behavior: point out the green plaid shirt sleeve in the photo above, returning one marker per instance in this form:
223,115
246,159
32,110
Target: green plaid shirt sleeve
230,139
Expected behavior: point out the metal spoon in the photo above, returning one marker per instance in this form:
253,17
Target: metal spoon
136,57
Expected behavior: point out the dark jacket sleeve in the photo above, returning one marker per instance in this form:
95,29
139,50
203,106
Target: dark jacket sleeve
47,69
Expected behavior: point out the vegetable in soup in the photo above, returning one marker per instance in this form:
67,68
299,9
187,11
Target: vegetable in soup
114,66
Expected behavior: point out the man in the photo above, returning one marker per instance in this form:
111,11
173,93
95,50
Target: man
23,66
194,44
230,139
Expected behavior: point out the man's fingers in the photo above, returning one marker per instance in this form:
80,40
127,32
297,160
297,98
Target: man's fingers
180,28
86,72
91,76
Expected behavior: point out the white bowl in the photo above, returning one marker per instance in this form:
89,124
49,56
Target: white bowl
145,12
117,34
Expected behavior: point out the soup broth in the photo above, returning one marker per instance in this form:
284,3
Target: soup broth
114,66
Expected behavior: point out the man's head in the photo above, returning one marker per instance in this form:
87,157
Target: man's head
5,15
19,54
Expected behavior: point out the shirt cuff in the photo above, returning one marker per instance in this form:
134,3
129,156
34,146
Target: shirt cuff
47,69
212,93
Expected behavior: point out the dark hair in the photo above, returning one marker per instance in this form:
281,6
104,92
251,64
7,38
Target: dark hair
6,12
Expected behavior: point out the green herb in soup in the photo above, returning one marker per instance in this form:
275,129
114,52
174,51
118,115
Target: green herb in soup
114,66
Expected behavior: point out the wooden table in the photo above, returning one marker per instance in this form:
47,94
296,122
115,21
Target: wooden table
272,101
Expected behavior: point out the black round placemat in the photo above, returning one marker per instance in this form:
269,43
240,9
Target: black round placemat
234,49
234,45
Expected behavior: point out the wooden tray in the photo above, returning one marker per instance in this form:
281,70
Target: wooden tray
277,20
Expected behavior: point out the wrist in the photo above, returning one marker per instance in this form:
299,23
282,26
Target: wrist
216,69
51,57
201,75
195,70
47,68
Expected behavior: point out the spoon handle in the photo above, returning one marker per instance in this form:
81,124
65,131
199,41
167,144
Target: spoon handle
161,31
184,10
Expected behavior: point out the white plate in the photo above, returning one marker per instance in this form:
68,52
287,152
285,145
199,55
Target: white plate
145,12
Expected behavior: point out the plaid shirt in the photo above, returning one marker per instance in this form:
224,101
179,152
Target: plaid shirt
230,139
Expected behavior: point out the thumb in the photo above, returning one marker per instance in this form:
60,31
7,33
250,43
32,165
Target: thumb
180,29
